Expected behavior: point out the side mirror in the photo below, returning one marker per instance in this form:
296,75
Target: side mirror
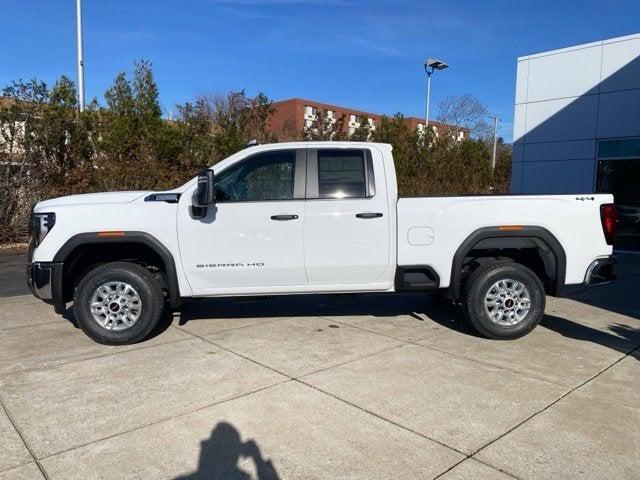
205,193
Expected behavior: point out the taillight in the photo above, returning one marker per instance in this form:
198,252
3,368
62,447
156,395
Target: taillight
609,217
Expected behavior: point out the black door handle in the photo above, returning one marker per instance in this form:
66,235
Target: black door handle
281,218
369,215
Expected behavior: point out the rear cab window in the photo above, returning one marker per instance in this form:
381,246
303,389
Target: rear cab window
340,173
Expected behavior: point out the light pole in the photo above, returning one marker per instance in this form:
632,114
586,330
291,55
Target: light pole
495,141
80,55
430,66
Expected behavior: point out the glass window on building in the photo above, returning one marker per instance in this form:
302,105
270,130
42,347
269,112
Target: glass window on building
619,174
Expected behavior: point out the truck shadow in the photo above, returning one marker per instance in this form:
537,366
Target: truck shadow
619,297
221,452
418,307
165,321
623,338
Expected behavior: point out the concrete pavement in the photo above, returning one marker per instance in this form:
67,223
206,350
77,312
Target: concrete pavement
351,387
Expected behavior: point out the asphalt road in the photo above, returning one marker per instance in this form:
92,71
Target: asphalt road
12,275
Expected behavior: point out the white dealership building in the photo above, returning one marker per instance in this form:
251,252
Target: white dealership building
577,125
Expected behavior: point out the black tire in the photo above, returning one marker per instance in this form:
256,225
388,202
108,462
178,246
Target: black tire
477,287
148,289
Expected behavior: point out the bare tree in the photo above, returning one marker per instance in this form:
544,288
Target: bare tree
233,118
464,112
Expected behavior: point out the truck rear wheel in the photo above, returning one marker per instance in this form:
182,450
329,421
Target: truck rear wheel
503,300
118,303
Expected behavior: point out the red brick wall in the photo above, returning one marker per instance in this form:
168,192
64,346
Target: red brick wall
288,119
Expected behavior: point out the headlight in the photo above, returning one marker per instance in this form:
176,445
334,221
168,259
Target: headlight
39,226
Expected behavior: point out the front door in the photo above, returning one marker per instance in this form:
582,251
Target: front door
251,240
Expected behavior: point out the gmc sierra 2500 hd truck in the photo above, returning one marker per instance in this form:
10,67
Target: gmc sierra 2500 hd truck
311,217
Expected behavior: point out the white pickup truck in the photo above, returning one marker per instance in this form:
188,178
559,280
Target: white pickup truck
312,217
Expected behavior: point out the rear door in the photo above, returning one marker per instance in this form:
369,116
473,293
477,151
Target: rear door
347,223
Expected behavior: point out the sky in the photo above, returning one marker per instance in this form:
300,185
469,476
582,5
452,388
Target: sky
367,55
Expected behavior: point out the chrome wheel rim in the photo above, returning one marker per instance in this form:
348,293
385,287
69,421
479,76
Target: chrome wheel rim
507,302
115,306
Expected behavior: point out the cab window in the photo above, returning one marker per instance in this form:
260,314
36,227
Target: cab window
262,177
341,174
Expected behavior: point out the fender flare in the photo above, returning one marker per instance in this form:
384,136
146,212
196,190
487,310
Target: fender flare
141,238
526,231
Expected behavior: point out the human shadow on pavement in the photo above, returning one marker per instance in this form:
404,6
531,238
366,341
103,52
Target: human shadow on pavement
221,452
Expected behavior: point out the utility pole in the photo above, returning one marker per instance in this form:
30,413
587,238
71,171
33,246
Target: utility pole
495,141
80,55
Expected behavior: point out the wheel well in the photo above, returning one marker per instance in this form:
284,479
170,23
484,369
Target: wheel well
85,257
533,247
535,258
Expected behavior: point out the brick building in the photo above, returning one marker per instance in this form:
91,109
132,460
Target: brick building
292,116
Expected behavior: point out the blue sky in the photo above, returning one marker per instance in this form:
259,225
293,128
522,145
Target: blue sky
362,54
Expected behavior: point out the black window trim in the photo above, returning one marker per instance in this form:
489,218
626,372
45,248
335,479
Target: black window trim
313,182
299,175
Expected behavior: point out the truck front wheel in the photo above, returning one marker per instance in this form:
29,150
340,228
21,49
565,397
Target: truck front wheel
118,303
503,300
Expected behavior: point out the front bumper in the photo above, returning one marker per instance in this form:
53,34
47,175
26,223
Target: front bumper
601,271
45,282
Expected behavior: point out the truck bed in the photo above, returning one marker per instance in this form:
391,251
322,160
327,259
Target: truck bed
431,229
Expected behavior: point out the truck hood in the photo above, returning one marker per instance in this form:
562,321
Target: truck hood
90,199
